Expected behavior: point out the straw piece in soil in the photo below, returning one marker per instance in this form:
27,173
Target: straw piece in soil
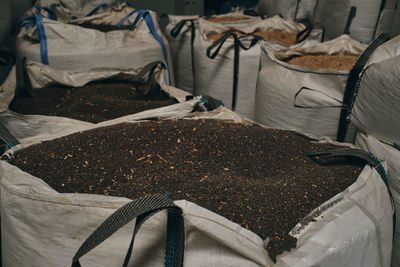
259,178
94,102
327,62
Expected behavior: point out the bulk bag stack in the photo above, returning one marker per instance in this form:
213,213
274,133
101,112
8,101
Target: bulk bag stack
71,47
375,114
305,98
297,10
362,20
353,227
227,59
182,31
147,81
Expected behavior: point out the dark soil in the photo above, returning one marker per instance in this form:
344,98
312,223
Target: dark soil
94,102
102,27
259,178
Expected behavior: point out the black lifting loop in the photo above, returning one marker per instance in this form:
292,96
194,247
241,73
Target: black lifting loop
304,34
253,13
320,156
368,157
179,26
177,30
351,89
150,85
7,140
141,209
237,45
350,17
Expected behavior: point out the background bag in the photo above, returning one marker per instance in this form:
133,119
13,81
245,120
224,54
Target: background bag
297,10
376,107
362,20
71,47
26,127
309,100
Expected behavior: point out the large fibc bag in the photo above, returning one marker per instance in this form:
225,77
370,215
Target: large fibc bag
227,68
289,9
300,98
354,228
376,107
362,20
71,47
27,127
181,33
391,155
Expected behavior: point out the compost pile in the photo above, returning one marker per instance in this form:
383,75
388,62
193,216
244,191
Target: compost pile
94,102
259,178
227,18
327,62
286,38
283,37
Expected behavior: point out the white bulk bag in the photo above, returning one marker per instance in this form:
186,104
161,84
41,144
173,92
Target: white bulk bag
181,50
71,47
289,9
181,44
362,20
299,98
391,155
376,108
354,228
28,127
215,77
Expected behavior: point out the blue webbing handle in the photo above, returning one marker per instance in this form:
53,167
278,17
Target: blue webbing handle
50,11
144,14
150,24
96,9
119,24
38,21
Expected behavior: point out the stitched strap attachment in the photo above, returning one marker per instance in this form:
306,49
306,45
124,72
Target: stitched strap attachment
217,45
146,16
141,209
